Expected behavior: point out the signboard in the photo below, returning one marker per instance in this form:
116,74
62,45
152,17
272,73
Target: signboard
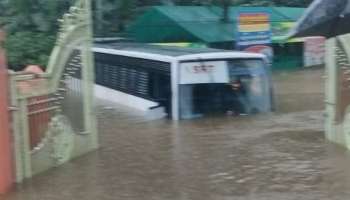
314,51
254,29
204,72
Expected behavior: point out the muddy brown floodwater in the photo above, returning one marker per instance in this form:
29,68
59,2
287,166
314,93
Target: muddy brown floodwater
267,157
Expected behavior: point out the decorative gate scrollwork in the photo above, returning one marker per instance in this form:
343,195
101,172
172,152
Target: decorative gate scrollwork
55,120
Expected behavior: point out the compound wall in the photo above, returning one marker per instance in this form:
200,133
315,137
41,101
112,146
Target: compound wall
6,178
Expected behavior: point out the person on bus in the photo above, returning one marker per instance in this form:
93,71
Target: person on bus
235,98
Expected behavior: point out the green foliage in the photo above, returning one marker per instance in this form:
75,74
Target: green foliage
31,27
24,48
112,16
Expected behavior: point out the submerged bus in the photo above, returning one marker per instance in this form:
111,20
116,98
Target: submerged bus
186,83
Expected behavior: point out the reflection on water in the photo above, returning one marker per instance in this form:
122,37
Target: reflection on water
273,157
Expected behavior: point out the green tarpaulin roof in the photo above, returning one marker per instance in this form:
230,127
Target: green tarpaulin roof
202,23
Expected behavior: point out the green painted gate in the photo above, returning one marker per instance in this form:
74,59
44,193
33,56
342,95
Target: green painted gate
54,120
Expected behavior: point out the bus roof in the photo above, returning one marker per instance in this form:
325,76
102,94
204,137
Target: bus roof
168,53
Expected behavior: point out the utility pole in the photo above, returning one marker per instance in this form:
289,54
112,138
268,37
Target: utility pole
226,10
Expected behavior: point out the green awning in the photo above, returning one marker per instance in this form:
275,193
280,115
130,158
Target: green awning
203,24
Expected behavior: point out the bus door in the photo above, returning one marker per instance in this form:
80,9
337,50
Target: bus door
237,86
252,78
161,90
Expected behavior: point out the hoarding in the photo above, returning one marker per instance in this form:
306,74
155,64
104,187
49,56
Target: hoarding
254,32
314,51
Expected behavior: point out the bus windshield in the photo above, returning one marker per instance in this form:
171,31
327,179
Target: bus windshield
233,87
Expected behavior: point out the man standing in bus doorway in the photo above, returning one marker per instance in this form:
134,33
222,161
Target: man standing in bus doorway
235,98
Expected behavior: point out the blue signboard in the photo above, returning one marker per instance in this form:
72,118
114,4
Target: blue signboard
254,33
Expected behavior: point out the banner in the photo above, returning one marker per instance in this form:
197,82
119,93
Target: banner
314,51
254,32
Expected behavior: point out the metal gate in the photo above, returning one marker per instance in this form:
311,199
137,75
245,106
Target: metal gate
55,118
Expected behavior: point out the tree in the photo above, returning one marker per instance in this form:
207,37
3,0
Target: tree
31,26
24,48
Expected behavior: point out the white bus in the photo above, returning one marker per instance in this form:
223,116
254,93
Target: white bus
186,82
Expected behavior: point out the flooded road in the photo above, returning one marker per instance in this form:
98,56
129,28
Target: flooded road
268,157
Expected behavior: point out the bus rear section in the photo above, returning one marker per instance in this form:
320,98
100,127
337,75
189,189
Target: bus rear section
239,86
